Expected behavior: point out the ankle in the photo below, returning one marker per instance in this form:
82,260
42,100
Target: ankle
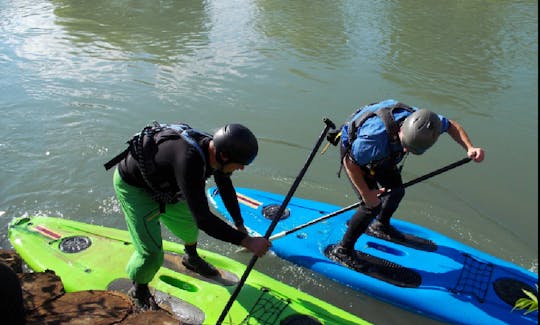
344,247
191,250
141,287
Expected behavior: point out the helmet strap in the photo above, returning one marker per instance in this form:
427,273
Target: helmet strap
221,160
215,157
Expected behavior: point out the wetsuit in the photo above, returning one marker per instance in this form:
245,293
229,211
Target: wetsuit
179,164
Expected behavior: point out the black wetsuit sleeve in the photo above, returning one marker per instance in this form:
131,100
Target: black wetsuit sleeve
188,169
228,194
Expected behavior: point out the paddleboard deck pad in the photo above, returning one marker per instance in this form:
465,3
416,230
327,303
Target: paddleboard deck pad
174,262
408,240
90,257
424,272
378,268
184,311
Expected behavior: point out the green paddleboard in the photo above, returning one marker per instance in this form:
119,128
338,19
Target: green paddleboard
90,257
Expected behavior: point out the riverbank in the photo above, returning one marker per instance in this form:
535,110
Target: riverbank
46,302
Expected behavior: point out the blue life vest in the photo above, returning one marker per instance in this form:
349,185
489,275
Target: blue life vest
371,134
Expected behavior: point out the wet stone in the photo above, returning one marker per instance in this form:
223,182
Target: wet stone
46,302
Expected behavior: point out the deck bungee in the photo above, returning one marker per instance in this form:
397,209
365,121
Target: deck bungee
427,272
90,257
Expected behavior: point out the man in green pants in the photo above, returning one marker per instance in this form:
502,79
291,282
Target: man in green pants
161,178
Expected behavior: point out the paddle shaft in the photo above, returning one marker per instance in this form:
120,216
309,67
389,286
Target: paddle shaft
328,124
355,205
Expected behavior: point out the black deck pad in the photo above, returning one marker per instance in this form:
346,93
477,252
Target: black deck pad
379,268
511,290
408,240
173,261
180,309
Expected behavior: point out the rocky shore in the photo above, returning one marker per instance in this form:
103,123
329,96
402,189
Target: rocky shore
46,302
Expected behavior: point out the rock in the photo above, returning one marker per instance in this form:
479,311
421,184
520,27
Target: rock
46,302
38,288
84,307
11,259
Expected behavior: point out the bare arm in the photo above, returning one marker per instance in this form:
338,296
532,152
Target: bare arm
356,174
456,131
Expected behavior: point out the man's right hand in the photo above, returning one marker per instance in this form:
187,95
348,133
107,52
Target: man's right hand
257,245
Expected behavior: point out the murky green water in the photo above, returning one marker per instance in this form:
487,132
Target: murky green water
77,78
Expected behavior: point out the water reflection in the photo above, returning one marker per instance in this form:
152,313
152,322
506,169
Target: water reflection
440,52
312,29
154,31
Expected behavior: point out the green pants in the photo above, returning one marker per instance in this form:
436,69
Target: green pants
143,223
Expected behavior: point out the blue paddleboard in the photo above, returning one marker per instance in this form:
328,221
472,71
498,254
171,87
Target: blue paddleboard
427,273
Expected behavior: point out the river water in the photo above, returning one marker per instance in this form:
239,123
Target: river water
77,78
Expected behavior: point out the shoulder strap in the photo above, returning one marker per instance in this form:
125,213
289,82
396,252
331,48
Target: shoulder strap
392,128
355,125
185,135
184,131
118,158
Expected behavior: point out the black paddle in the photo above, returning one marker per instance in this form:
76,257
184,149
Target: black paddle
329,125
352,206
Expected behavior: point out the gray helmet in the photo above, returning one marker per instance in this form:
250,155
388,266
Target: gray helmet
420,131
237,143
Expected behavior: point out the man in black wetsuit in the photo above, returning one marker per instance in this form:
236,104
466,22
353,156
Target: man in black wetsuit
161,177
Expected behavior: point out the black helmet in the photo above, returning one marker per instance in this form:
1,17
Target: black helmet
420,131
237,143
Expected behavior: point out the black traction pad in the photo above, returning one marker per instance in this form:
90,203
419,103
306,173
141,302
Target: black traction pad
408,240
511,290
182,310
379,268
173,261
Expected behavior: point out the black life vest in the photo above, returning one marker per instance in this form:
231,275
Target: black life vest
143,147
